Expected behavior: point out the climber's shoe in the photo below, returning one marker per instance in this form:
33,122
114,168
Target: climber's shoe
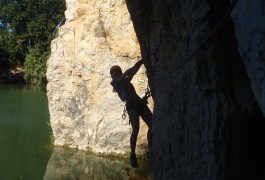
133,160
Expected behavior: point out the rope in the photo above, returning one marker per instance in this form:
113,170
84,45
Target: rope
94,71
57,27
203,42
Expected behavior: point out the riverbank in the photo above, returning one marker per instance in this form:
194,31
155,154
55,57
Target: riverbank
13,75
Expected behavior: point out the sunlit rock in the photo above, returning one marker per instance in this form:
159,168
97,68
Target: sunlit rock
85,112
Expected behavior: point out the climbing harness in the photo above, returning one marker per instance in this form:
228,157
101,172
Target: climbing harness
203,42
144,98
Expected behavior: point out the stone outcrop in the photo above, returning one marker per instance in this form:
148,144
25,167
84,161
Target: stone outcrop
208,121
84,111
208,114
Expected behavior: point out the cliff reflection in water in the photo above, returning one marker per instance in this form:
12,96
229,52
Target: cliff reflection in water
71,164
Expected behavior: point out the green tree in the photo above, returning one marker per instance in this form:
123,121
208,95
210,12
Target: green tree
4,56
26,28
35,66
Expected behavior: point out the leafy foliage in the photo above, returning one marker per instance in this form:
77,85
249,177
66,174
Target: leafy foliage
26,28
35,66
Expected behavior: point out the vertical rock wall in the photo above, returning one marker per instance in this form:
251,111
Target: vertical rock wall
85,113
208,121
249,22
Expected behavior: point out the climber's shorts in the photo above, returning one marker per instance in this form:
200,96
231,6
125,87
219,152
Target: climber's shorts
135,107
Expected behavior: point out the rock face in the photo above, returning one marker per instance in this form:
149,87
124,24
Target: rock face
209,113
250,33
84,111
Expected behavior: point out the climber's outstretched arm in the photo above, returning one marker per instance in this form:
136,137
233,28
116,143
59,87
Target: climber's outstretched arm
129,73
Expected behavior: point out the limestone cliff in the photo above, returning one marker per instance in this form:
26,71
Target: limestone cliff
209,113
85,112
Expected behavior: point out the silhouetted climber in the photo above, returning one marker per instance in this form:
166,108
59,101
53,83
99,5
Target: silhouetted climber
135,105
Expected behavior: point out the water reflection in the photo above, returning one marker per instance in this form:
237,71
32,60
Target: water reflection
71,164
23,132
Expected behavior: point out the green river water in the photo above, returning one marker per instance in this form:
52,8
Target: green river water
26,151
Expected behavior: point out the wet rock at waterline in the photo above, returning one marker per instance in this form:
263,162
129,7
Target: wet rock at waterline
71,164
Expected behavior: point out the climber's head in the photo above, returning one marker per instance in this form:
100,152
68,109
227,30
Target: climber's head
115,72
